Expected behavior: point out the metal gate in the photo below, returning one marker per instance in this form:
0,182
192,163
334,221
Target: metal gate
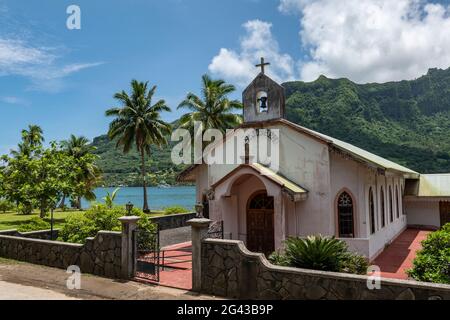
147,254
215,230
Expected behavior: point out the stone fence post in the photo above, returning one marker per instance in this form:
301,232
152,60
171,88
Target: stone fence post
129,224
199,230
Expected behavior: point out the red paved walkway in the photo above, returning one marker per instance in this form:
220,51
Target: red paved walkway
399,256
175,267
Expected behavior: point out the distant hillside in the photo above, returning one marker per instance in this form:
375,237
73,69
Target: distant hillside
407,122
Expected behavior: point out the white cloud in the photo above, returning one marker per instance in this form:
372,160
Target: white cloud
14,100
238,66
364,40
39,64
372,40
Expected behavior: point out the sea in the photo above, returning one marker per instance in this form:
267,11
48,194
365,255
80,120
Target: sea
158,197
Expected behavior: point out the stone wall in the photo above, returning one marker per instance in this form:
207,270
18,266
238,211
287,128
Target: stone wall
230,270
173,221
41,234
100,255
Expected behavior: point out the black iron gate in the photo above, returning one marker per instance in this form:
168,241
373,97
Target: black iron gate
147,254
215,230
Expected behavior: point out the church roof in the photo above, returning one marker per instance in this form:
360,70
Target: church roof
295,191
434,185
345,147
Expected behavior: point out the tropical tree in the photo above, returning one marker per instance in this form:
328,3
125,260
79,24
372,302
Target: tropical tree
88,174
32,140
138,122
110,197
213,109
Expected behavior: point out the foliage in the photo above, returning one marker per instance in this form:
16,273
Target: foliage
99,217
37,177
175,209
6,205
110,197
213,110
34,224
320,253
406,122
138,122
432,263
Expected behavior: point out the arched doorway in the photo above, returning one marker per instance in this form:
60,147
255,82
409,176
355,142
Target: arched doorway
260,223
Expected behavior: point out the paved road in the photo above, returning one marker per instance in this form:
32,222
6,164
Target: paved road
20,280
174,236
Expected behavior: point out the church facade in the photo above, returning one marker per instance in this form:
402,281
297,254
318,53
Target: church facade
322,186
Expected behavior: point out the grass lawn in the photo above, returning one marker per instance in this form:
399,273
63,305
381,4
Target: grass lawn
12,220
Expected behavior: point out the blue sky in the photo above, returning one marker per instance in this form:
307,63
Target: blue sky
63,80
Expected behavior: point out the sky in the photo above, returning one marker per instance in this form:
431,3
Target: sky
64,79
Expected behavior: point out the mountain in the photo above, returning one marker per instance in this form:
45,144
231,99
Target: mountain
407,122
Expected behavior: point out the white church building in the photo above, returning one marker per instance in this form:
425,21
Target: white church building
323,186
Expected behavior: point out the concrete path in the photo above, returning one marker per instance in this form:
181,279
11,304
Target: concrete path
399,256
20,280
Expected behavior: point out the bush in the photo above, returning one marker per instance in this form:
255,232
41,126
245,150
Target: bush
5,205
34,224
320,253
99,217
432,263
175,209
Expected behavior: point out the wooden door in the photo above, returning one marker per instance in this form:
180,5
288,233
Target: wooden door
260,224
444,208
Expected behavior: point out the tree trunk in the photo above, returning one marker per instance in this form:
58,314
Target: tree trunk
62,204
79,202
43,207
145,207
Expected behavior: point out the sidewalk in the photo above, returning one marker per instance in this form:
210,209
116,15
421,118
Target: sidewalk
20,280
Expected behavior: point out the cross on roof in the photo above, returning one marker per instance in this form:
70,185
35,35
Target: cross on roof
262,65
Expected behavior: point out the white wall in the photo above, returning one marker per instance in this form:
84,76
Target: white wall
423,212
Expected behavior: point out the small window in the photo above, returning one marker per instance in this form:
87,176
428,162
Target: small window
262,101
383,213
371,212
345,216
391,210
397,203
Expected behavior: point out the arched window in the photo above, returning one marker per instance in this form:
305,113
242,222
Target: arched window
397,202
382,212
391,210
371,212
345,215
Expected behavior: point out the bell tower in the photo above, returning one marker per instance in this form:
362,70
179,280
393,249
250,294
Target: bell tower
263,99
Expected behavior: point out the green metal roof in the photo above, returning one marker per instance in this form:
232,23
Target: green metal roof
279,179
434,185
362,154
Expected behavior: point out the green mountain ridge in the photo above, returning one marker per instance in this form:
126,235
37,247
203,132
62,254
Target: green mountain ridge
406,121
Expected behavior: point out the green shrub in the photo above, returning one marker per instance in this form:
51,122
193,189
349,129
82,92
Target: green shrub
175,209
432,263
320,253
5,205
99,217
34,224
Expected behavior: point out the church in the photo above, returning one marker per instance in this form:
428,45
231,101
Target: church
323,186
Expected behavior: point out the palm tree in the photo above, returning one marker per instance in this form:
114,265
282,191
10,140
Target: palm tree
79,147
31,139
139,122
213,109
